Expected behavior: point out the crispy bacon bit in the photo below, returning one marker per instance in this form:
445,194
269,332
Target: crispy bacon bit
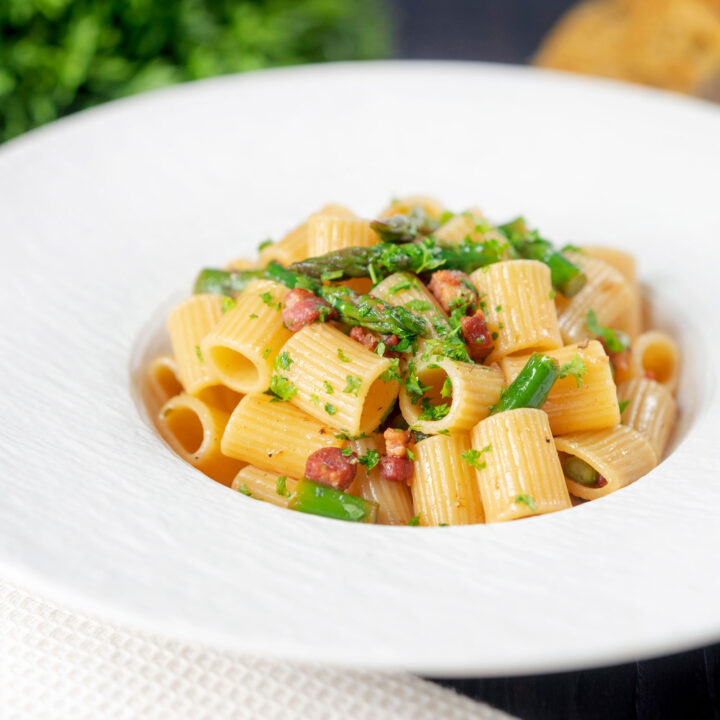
477,336
601,481
370,340
366,338
330,467
301,307
396,442
397,469
621,361
451,287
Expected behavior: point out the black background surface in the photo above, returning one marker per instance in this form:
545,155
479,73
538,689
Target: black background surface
679,686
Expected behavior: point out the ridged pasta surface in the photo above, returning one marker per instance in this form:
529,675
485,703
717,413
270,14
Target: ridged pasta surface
620,454
263,485
326,233
337,379
520,472
444,489
275,436
571,408
516,298
243,345
188,323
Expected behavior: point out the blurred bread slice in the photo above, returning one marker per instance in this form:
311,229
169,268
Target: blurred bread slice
673,44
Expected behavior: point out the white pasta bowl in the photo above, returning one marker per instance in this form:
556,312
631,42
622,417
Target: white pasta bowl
109,214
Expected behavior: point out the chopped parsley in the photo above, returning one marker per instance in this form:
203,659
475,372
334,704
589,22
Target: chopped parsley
410,454
571,248
281,486
446,390
576,367
265,243
414,521
615,340
472,457
282,388
269,299
266,353
414,388
244,490
199,354
228,303
528,500
552,294
404,284
253,316
329,389
315,400
353,385
443,432
393,372
622,404
347,451
433,412
283,361
343,356
419,305
330,409
498,308
370,459
345,436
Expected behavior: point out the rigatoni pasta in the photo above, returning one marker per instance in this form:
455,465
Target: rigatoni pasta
424,368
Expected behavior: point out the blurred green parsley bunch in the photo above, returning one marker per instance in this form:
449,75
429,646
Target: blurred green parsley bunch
59,56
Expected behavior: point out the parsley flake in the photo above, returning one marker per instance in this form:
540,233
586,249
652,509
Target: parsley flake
328,388
265,243
315,400
446,390
472,457
615,340
410,454
370,459
244,490
281,486
433,412
199,354
622,404
282,388
419,305
343,356
228,303
330,409
576,367
269,299
283,361
528,500
353,385
266,353
414,521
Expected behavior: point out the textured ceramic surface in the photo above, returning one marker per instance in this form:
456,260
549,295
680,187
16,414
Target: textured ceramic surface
105,216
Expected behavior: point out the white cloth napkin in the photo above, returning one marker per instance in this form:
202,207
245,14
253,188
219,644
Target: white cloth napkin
55,663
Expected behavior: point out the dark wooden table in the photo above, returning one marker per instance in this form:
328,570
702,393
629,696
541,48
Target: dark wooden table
679,686
684,686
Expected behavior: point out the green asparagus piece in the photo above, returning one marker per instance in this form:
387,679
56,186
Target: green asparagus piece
385,259
316,499
353,309
405,228
566,277
579,471
531,387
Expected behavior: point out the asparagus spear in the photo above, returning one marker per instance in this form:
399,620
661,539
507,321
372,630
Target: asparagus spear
566,277
531,387
579,471
317,499
365,310
405,228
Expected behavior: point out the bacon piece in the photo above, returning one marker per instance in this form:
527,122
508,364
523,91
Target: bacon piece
450,288
601,481
370,340
396,442
301,308
477,336
397,469
621,361
366,338
330,467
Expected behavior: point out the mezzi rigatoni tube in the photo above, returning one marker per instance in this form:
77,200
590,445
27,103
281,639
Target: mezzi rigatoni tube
632,321
188,323
650,409
620,455
294,246
606,292
275,436
194,429
337,380
403,205
393,498
243,345
572,407
516,297
517,465
263,485
444,487
327,233
462,391
656,354
161,382
470,224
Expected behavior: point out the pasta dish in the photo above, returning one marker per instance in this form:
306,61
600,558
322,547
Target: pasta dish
423,368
